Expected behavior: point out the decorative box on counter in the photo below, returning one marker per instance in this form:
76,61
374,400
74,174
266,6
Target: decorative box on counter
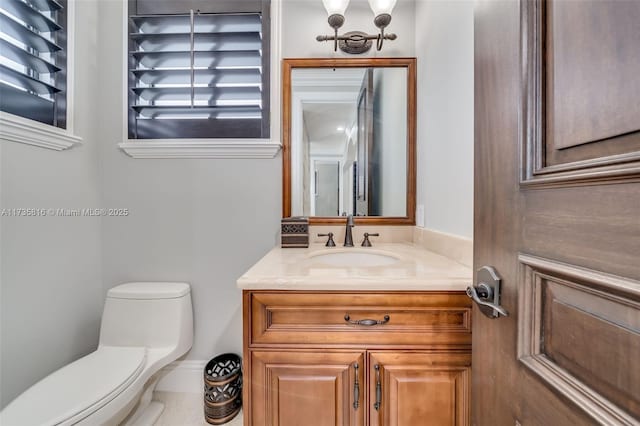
295,232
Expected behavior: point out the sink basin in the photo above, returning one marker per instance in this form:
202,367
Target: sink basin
354,258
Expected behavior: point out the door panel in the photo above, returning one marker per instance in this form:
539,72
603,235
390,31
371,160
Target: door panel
589,97
419,388
581,115
579,330
567,166
291,388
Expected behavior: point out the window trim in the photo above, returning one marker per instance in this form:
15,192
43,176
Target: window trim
14,128
209,148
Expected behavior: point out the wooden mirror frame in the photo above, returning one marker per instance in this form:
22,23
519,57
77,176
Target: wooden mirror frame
410,64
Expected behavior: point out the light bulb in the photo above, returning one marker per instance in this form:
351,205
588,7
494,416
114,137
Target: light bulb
335,7
382,7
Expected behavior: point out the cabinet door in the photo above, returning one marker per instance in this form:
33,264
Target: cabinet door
307,388
410,388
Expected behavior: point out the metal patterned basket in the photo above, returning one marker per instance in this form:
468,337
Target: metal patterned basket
222,388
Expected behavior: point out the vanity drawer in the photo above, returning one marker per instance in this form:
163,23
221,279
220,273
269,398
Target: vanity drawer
437,319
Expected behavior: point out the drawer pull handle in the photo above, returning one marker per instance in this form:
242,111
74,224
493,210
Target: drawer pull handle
356,388
367,322
378,388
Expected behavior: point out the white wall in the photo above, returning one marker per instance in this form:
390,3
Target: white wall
200,221
444,46
203,221
51,285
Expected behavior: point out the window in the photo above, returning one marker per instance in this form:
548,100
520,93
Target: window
198,69
33,59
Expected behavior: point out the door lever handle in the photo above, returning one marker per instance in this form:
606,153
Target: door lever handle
473,294
487,293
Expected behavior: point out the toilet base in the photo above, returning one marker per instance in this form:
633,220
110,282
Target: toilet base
150,415
147,411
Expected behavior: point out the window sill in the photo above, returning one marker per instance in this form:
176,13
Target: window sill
197,148
22,130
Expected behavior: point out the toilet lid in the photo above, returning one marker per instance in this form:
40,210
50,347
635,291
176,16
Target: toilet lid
149,290
84,385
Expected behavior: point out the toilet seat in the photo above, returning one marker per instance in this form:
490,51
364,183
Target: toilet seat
77,390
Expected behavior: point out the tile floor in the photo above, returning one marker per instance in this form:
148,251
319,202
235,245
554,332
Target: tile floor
185,409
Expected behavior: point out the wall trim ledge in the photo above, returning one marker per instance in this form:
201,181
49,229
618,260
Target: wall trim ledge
21,130
189,148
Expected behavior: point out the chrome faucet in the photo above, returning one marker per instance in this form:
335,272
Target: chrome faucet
348,236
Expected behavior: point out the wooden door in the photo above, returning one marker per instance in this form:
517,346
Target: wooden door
557,166
307,388
419,388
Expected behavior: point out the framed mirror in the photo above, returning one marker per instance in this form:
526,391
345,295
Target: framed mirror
349,137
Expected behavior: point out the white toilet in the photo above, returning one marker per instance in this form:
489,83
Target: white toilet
145,326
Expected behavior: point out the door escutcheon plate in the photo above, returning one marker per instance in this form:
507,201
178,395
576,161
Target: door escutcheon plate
486,293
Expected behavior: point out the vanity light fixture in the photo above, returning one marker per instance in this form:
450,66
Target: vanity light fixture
356,42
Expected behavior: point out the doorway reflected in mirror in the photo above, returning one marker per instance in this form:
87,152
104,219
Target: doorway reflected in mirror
349,141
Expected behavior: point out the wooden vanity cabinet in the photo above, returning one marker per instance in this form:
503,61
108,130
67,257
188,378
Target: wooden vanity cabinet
419,388
291,388
305,364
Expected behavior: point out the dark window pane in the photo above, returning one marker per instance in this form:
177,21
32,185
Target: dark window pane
33,53
206,78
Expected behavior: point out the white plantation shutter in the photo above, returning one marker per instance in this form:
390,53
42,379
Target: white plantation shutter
33,59
199,73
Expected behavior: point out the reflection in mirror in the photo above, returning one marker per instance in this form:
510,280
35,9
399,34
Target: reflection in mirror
349,141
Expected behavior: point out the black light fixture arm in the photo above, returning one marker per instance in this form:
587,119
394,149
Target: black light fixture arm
336,21
356,42
382,21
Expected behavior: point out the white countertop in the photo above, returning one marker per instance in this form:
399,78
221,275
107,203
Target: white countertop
414,268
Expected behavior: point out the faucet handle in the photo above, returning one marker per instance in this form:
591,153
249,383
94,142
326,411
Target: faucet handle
330,242
366,242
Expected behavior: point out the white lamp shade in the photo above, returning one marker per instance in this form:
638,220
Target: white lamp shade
335,7
380,7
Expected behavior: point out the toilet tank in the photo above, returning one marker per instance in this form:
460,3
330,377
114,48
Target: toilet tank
148,314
